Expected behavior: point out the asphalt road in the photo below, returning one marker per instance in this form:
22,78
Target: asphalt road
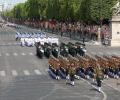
23,76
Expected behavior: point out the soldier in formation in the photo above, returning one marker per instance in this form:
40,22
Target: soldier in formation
98,77
71,65
48,49
72,73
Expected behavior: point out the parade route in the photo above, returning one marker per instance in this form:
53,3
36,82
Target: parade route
23,76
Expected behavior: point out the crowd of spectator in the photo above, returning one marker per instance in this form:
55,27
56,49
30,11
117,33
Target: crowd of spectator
75,30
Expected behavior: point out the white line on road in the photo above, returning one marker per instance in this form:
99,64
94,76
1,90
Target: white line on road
46,70
14,73
2,73
31,54
26,72
15,54
3,43
37,72
111,86
9,43
23,54
104,94
7,54
15,43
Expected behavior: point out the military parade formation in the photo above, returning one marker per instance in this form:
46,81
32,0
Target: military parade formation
30,39
70,62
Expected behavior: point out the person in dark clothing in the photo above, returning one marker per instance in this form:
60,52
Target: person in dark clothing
98,79
72,75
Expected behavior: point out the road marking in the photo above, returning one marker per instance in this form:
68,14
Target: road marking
15,43
31,54
23,54
3,44
26,72
2,73
7,54
104,94
15,54
46,70
37,72
106,84
9,43
14,73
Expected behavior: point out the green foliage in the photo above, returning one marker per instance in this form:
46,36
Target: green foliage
101,9
32,8
88,11
84,11
19,12
8,14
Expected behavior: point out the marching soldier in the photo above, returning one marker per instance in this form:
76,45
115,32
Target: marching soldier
72,49
55,50
64,50
64,66
72,71
39,50
54,65
99,77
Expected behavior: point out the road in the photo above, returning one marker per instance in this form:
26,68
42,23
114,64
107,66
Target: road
23,76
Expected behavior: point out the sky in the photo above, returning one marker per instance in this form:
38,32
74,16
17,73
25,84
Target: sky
10,3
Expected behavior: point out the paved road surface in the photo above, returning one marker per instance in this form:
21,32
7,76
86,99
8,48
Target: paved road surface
23,76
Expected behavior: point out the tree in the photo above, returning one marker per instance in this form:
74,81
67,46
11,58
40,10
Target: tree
84,11
67,9
32,8
87,11
101,9
42,8
17,11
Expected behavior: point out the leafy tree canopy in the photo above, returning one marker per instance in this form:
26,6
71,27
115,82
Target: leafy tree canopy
88,11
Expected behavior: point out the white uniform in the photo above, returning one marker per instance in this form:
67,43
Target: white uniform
22,41
55,40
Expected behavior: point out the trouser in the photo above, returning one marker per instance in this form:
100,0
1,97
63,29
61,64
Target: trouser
61,34
99,83
72,77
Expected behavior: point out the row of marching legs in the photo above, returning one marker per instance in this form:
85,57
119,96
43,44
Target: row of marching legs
80,73
70,77
112,73
62,74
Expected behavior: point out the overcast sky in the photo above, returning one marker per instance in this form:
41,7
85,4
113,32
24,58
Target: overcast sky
10,3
